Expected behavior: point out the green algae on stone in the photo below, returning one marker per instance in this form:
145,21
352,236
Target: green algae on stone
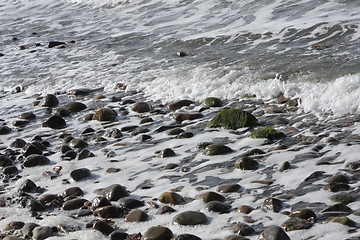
344,198
232,119
211,102
267,132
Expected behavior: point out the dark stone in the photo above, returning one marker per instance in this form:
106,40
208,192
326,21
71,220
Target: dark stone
34,205
10,170
216,206
136,215
54,122
73,107
158,233
138,131
185,135
103,227
339,178
73,192
145,137
171,198
343,197
62,112
80,174
146,120
338,209
48,198
55,44
179,104
165,209
18,143
105,114
128,128
5,161
336,187
175,131
186,237
274,233
73,204
242,229
130,203
78,143
28,116
190,218
272,204
167,152
49,100
100,201
342,220
28,186
228,188
114,133
245,209
296,224
16,225
246,163
20,123
180,117
114,192
211,196
5,130
35,160
216,149
69,155
109,212
118,235
31,149
84,153
141,107
304,213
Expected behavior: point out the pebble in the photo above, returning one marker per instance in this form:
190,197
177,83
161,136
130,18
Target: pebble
211,102
73,204
118,235
78,143
179,104
30,116
245,209
274,233
100,201
136,215
104,114
54,122
114,192
5,130
103,227
211,196
217,206
41,232
74,107
190,218
216,149
246,163
343,220
167,152
28,228
296,224
109,212
171,198
35,160
228,188
272,204
18,143
49,100
129,203
141,107
158,233
80,174
165,209
5,161
180,117
242,229
73,192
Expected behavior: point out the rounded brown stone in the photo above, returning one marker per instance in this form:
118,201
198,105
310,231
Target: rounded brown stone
158,233
141,107
171,198
211,196
73,204
109,212
103,227
245,209
136,215
227,188
104,114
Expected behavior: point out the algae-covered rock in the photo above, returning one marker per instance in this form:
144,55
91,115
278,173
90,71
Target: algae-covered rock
211,102
232,119
344,198
343,220
267,132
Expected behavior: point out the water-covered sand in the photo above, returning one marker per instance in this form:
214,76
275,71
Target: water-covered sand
294,172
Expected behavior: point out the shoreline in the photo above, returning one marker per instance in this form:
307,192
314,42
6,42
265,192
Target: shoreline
136,158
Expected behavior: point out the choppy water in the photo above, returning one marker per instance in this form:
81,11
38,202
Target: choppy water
234,48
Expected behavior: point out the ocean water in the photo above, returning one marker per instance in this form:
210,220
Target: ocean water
306,49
